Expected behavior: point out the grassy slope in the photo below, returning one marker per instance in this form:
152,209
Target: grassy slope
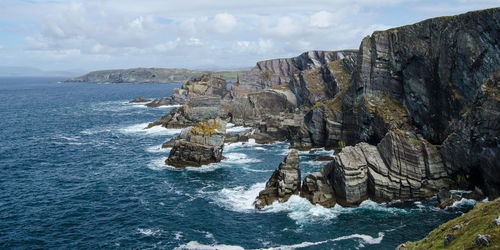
477,221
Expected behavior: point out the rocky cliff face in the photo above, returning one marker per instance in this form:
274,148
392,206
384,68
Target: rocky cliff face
312,76
434,68
473,147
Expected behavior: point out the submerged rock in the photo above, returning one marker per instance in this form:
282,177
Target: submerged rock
139,100
204,144
284,182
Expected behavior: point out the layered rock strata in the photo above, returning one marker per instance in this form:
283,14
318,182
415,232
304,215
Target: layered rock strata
284,182
204,144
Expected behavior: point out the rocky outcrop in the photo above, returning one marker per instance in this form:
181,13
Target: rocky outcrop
284,182
204,144
198,109
138,75
401,166
139,100
207,85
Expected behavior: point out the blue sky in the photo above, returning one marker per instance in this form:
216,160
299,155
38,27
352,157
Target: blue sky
105,34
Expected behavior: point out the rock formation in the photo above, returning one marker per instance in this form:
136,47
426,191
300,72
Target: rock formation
284,182
204,144
207,85
318,190
401,166
139,100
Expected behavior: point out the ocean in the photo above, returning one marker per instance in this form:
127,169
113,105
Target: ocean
78,170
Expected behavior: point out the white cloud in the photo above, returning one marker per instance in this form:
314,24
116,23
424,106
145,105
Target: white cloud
322,19
224,22
125,33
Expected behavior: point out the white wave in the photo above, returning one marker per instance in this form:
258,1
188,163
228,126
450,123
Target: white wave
419,204
141,128
237,129
169,106
367,239
302,211
158,164
260,148
229,125
149,232
158,149
257,170
195,245
463,202
239,199
178,235
382,207
238,158
314,163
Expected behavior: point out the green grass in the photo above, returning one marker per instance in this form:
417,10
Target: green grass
477,221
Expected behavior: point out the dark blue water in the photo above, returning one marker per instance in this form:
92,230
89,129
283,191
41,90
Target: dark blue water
78,171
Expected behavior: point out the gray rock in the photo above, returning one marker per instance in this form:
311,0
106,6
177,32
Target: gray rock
482,240
284,182
204,144
318,190
139,100
397,168
448,239
496,222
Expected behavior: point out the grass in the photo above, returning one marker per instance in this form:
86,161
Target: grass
477,221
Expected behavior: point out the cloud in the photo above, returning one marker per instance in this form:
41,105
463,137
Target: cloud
224,22
110,34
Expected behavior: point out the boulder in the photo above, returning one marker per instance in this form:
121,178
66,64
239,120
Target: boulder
284,182
448,239
482,240
204,144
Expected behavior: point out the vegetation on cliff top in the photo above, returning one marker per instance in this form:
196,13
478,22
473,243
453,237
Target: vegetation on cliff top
465,229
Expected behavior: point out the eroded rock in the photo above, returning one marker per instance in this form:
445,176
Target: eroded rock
284,182
204,144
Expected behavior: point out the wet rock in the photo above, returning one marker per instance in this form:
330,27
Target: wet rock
482,240
284,182
324,158
204,144
448,239
139,100
318,190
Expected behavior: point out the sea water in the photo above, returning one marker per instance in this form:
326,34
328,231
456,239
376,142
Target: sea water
78,170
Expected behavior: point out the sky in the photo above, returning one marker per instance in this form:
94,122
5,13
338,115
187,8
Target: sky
57,35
